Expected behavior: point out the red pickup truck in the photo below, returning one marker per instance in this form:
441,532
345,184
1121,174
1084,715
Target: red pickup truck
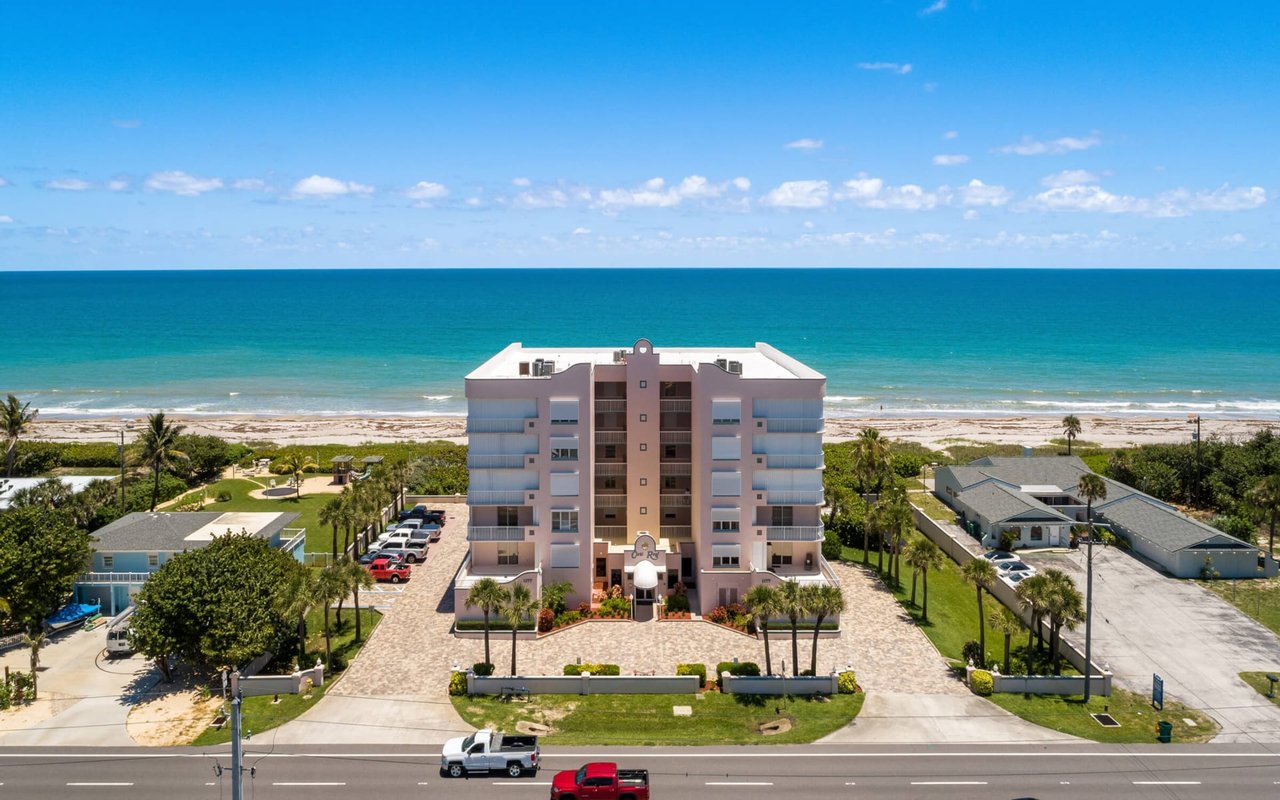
383,569
601,780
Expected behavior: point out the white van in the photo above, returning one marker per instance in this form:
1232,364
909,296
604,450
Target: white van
118,634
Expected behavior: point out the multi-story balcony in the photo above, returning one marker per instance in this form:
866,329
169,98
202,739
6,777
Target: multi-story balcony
495,533
612,405
792,461
609,469
503,461
676,532
497,425
678,406
675,469
616,534
793,424
611,501
794,533
496,497
611,437
676,500
675,437
793,497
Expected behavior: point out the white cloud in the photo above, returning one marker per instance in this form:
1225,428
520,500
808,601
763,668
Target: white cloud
971,215
950,135
427,243
249,184
934,7
581,231
798,194
654,193
68,185
474,202
804,144
5,219
1234,239
321,186
741,184
875,193
426,191
890,66
181,183
521,181
1079,197
944,160
127,123
542,198
1174,203
848,239
1034,147
977,193
1069,177
1224,198
118,185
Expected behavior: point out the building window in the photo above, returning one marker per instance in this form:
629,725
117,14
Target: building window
728,596
724,525
644,481
780,554
644,417
564,452
601,564
726,412
725,556
564,484
564,556
783,517
726,484
643,447
669,451
564,412
564,521
644,384
508,555
508,516
610,483
108,562
610,451
153,559
668,482
726,448
1037,533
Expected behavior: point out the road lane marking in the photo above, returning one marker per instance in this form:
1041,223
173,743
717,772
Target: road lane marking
850,783
738,783
307,783
948,783
98,783
1091,754
1166,783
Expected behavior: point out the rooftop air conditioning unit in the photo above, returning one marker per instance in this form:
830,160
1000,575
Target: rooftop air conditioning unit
735,367
543,367
722,364
619,356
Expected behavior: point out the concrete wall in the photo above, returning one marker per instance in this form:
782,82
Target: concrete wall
260,685
1048,684
583,684
777,685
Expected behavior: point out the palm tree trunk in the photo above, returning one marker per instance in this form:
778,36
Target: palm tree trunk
1007,637
302,641
795,647
1053,645
813,658
335,540
346,541
10,454
915,573
155,490
924,579
1030,635
328,648
486,638
356,595
514,628
866,530
341,601
768,661
982,632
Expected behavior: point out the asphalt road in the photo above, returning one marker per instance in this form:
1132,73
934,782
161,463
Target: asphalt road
1238,772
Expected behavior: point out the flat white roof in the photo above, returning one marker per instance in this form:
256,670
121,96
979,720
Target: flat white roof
233,522
1042,488
761,361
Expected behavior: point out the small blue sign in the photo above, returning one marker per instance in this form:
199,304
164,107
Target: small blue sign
1157,692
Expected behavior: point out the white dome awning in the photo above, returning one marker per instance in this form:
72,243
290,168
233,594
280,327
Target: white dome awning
646,576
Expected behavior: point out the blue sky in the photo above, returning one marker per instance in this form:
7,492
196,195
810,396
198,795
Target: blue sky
885,133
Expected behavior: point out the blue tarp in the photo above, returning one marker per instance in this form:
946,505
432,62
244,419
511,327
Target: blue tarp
71,613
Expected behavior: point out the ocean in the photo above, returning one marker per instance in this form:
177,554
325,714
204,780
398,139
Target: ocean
966,342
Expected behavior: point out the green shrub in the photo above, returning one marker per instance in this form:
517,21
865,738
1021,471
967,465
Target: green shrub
567,618
971,653
546,619
494,625
482,669
678,602
223,497
553,596
594,669
981,682
457,684
694,669
831,546
806,673
615,607
846,682
738,669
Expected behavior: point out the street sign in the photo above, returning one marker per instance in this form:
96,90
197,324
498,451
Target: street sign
1157,692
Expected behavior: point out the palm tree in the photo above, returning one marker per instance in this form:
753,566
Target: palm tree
35,641
791,601
822,602
871,461
295,601
1090,487
158,449
328,587
331,514
911,553
1265,496
931,558
488,596
518,604
1008,623
979,574
348,517
1065,608
14,418
764,603
295,463
357,578
1071,427
894,520
1033,594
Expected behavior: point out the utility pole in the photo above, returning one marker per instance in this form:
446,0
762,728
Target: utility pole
1195,418
122,472
237,751
1088,617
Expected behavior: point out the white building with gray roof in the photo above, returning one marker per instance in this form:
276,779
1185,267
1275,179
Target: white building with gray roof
1033,502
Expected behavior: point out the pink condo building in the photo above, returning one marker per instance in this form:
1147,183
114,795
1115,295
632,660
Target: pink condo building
641,468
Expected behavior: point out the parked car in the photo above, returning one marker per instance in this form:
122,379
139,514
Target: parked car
417,512
384,569
490,751
434,516
601,780
433,532
1014,578
998,556
1013,567
367,558
413,523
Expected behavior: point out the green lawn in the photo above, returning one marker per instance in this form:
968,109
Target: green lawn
932,507
319,538
1258,680
1256,597
617,719
1133,711
261,714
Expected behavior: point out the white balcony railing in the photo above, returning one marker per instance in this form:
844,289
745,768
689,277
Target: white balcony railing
675,406
611,437
676,500
610,469
113,577
794,424
504,461
497,424
611,406
675,469
611,501
676,531
675,437
495,533
794,533
792,461
490,497
794,497
611,531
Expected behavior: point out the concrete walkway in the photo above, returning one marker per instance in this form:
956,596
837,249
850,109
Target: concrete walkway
897,718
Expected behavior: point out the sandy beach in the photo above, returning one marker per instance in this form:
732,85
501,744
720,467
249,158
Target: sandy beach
934,432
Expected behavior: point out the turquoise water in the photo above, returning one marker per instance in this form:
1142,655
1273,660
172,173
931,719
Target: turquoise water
395,342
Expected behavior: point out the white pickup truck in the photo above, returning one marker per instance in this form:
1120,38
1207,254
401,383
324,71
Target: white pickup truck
490,751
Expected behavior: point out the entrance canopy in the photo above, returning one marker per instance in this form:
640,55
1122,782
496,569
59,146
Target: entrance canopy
646,575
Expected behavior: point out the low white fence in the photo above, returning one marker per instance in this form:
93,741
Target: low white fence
778,684
1047,684
583,684
259,685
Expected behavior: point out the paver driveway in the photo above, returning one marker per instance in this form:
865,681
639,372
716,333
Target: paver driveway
1145,622
395,690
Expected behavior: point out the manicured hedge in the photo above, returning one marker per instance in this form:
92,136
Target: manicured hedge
482,669
981,682
846,682
694,669
738,669
594,669
494,625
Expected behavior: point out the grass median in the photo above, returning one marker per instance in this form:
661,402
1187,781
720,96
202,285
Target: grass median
619,719
1137,718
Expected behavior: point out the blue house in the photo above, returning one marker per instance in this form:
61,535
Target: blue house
128,550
